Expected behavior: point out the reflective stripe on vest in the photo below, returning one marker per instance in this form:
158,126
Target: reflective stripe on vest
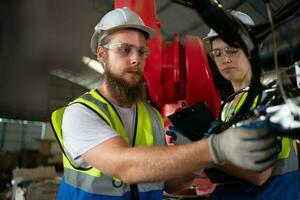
149,131
287,159
103,185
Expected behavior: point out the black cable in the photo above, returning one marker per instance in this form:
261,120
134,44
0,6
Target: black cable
287,13
230,98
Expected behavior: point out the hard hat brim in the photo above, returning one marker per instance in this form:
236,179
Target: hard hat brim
94,39
209,38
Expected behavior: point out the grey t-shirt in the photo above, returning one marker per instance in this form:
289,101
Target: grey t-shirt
83,129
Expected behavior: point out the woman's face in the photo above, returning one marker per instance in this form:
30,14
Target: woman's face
232,62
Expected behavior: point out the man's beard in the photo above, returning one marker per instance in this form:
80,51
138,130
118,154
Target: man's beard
123,91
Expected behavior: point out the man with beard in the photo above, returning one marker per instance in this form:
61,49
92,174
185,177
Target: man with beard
113,142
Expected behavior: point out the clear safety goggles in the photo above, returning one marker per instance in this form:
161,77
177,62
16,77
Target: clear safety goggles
218,54
126,49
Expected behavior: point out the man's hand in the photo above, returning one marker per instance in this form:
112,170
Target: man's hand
177,136
252,149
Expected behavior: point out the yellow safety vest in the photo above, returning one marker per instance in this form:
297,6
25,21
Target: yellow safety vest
149,131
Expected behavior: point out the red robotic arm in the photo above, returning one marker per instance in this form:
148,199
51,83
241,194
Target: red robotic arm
175,73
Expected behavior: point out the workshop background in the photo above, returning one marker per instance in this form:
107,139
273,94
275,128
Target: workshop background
45,63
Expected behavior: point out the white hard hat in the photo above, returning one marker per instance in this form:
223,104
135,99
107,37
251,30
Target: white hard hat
118,19
244,18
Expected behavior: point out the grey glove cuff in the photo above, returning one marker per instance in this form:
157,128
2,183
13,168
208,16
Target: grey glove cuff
215,149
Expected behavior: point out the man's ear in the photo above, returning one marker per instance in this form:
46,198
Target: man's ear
101,53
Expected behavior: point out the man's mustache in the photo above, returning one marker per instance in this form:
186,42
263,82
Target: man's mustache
135,70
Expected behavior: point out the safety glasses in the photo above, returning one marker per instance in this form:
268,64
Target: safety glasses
217,54
125,49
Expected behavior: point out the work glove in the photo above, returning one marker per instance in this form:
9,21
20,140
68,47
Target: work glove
177,136
253,146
